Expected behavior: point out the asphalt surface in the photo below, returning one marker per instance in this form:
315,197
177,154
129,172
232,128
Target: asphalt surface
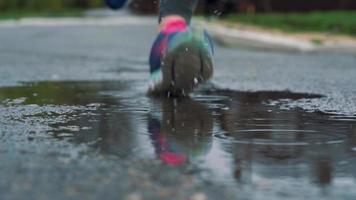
41,159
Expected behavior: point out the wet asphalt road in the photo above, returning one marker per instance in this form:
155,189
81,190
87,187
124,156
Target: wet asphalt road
52,145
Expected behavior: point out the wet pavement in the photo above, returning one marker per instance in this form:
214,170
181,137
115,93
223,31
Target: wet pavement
75,121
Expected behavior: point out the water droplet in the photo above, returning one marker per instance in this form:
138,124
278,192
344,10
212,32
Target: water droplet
62,135
196,81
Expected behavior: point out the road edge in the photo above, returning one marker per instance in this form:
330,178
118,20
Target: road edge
266,40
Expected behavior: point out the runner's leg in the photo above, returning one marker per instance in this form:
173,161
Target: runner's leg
182,8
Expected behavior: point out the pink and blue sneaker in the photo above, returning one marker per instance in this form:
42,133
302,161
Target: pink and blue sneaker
181,58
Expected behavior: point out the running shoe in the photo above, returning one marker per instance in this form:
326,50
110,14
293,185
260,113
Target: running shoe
181,58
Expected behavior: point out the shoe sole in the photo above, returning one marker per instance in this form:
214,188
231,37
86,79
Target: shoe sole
184,69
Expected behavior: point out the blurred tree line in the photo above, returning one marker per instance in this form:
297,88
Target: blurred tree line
252,6
220,6
48,5
292,5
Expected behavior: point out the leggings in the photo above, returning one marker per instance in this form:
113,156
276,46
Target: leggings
184,8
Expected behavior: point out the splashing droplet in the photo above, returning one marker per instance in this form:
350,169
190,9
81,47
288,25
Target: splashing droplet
196,81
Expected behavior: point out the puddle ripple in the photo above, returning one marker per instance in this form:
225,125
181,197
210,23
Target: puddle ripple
232,137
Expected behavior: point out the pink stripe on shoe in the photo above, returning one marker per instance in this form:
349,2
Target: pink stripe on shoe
174,25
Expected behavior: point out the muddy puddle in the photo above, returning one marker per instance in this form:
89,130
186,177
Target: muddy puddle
237,138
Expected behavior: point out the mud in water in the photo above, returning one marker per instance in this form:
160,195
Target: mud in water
235,138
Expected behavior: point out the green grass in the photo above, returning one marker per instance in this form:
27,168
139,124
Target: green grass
340,22
18,14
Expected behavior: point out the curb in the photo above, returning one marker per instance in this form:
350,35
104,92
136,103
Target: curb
77,21
233,37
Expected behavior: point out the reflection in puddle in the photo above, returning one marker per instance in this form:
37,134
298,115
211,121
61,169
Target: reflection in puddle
183,132
233,137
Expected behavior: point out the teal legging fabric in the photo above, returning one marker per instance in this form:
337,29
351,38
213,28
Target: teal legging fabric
184,8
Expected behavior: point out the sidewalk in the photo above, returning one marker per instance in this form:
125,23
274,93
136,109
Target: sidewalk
245,36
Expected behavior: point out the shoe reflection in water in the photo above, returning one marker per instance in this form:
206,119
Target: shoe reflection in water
182,132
